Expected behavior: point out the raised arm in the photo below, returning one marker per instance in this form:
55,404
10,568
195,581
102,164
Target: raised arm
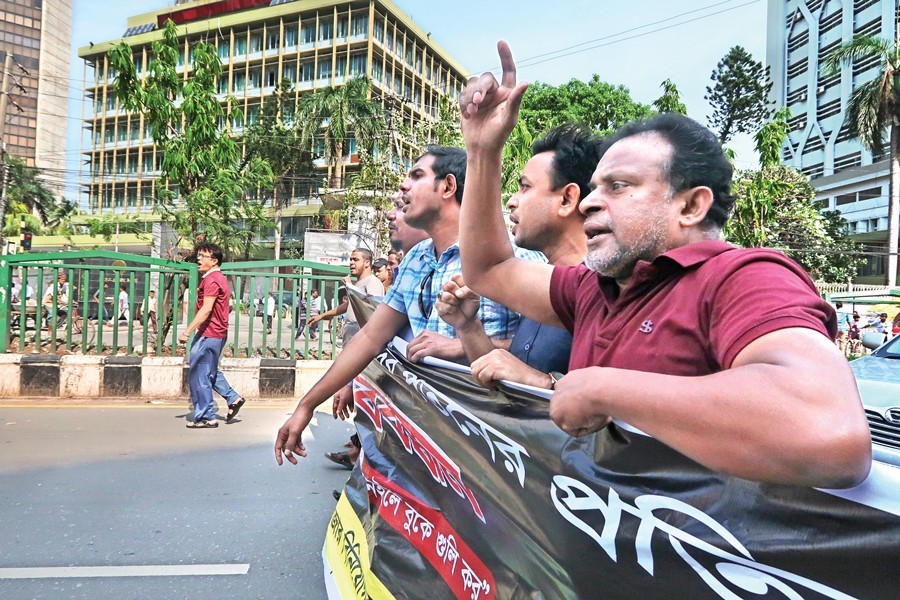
381,327
490,109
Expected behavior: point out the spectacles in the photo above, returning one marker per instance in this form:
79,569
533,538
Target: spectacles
199,256
426,312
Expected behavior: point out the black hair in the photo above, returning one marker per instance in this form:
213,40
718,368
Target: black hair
448,160
366,253
576,152
213,249
697,159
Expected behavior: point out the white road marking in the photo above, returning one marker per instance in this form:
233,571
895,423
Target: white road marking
123,571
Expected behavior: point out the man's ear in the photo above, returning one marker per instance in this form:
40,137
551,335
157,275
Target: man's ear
571,196
449,186
695,204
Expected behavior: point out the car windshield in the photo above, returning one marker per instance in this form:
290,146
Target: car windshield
890,350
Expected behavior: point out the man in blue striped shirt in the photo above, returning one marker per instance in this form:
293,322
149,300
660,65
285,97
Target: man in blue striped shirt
432,194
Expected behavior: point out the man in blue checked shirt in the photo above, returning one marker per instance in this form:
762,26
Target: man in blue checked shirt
432,195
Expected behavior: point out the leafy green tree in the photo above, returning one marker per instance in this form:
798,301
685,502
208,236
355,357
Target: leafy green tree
443,130
335,114
516,153
201,163
274,138
770,137
775,207
739,94
109,226
670,100
601,106
26,194
874,107
59,220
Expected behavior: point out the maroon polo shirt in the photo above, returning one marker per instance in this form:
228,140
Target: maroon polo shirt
688,312
214,284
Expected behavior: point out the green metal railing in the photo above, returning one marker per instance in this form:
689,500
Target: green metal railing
290,283
83,314
81,309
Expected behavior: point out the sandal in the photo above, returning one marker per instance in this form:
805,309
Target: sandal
341,458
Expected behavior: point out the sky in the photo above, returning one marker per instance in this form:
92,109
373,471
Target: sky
637,44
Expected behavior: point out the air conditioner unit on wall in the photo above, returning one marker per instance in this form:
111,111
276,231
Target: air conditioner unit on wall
820,90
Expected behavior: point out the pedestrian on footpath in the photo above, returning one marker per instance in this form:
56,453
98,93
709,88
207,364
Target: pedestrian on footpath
211,324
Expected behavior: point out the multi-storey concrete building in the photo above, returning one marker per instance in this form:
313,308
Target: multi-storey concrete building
38,34
848,178
313,43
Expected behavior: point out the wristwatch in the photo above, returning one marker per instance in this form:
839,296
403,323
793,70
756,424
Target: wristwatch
555,376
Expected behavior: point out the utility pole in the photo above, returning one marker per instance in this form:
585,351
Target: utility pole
4,98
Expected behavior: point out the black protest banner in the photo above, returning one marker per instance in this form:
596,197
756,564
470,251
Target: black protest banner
465,492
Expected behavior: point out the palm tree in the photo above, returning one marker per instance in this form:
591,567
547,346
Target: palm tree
337,114
26,193
874,107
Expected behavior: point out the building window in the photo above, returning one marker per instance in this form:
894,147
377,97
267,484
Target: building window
306,71
359,26
848,162
223,51
325,69
252,114
798,40
271,76
829,109
798,68
379,30
860,5
240,46
873,27
357,65
255,43
308,34
326,31
255,79
272,40
290,37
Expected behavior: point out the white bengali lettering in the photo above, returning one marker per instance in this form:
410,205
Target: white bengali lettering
571,496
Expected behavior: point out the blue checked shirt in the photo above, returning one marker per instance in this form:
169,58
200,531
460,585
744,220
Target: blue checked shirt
422,276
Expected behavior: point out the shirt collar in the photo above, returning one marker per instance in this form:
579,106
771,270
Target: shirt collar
694,254
210,271
683,257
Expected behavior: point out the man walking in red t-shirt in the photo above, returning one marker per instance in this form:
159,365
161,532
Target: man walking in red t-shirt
211,323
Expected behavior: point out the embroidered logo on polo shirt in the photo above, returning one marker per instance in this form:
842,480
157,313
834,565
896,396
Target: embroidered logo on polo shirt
646,327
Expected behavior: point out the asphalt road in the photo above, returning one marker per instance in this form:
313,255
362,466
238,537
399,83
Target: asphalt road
130,486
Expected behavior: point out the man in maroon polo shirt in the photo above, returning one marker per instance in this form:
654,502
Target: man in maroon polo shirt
724,354
211,324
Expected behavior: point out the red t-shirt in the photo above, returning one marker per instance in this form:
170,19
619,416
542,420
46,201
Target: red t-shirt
689,312
214,284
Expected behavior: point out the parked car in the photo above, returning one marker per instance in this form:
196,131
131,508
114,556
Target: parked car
878,380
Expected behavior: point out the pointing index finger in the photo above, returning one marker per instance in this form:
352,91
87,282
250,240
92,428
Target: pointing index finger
508,79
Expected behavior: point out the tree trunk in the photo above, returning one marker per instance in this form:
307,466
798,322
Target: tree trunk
894,207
